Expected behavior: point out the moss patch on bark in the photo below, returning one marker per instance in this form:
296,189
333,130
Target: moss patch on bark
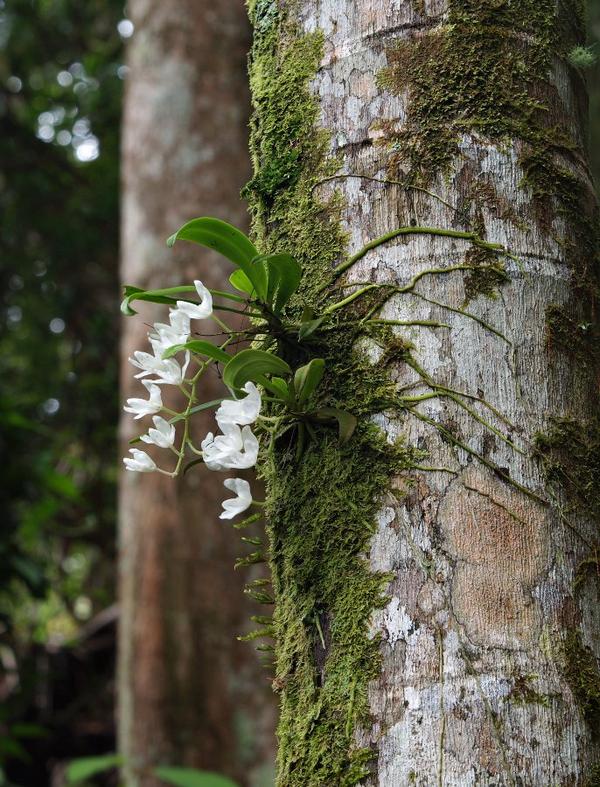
583,675
321,505
570,452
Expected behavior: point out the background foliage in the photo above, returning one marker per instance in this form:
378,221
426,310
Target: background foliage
61,80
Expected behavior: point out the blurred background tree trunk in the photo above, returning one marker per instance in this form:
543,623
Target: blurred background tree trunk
189,693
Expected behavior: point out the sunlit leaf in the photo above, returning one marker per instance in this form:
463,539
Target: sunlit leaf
86,767
241,282
228,241
278,386
250,365
189,777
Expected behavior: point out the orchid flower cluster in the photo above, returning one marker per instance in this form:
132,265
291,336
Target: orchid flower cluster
237,446
264,284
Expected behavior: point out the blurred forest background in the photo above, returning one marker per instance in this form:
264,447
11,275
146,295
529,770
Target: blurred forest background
62,72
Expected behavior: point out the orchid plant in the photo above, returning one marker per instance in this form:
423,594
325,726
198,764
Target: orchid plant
263,286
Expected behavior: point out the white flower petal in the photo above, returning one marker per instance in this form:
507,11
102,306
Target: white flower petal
180,321
240,411
163,435
198,311
141,462
236,449
234,506
142,407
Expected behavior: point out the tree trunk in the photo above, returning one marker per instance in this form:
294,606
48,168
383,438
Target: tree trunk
190,694
436,626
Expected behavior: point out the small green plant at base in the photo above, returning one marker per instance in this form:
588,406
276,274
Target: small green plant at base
87,767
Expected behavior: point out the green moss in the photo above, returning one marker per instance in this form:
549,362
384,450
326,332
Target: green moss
322,515
482,70
488,272
571,335
289,154
583,676
570,453
523,692
322,506
582,57
593,777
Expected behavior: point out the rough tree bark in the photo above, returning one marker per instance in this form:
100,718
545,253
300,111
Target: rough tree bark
480,664
190,694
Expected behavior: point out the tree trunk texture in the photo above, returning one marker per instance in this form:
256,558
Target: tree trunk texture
488,639
190,694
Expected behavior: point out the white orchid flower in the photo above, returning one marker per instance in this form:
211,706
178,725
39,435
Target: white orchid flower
142,407
236,449
176,332
240,411
198,311
163,435
141,462
167,370
236,505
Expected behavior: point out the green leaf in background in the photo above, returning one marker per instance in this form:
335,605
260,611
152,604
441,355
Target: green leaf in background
189,777
307,378
228,241
346,421
250,365
86,767
200,347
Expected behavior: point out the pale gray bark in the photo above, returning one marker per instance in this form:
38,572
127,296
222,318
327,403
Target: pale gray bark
483,574
190,694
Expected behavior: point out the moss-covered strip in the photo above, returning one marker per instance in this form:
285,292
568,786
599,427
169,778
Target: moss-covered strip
322,506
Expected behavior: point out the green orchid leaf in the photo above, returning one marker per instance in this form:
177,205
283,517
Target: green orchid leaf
250,365
309,327
199,347
197,409
346,421
228,241
167,295
241,282
307,379
86,767
190,777
277,386
283,279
